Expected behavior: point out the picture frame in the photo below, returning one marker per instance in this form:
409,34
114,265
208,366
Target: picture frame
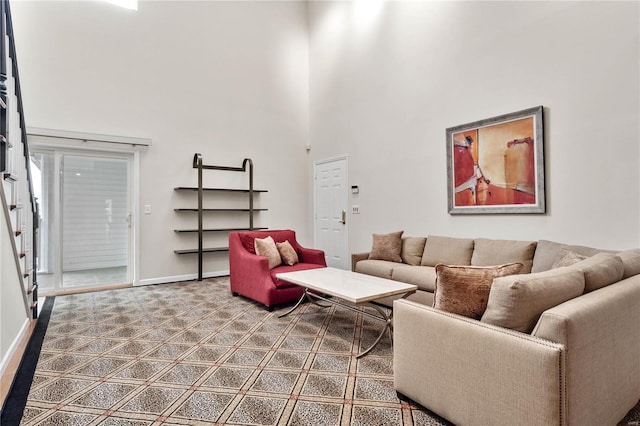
496,165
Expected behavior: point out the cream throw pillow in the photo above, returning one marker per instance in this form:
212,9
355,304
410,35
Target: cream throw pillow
567,258
631,262
267,247
464,290
548,251
517,301
287,252
387,247
600,270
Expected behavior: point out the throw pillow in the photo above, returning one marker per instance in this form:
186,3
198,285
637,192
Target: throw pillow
287,252
600,270
631,262
547,252
447,250
567,258
412,249
387,247
464,290
267,247
517,301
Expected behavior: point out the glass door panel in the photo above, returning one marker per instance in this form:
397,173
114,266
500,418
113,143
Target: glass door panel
43,175
84,232
95,221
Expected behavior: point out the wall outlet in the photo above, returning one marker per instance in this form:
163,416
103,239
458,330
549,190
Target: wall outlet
355,209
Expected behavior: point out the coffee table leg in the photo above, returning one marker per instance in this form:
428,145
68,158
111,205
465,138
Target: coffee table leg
304,295
387,326
309,297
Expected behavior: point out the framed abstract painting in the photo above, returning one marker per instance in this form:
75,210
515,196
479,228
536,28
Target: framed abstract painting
496,165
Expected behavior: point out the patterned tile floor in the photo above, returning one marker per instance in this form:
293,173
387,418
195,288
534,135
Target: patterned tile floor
191,354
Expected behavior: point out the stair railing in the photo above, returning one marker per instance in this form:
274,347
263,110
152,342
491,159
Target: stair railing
22,217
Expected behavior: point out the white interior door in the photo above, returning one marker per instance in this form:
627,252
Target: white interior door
331,200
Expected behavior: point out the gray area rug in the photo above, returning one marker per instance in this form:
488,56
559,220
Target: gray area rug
191,354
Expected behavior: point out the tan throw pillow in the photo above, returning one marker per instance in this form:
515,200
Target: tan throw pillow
267,247
412,248
464,290
631,262
287,252
387,247
567,258
547,252
447,250
600,270
517,301
488,252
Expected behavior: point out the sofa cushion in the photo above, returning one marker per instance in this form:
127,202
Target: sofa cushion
547,252
377,268
286,268
631,262
412,249
422,297
387,247
422,276
600,270
464,290
517,301
447,250
567,258
287,253
267,247
488,252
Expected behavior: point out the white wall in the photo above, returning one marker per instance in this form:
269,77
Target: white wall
226,79
264,79
385,85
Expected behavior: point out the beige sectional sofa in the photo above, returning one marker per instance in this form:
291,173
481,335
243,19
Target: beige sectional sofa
557,345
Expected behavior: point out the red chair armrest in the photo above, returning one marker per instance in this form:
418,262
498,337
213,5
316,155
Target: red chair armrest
309,255
249,264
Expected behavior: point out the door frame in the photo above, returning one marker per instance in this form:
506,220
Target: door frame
132,156
345,198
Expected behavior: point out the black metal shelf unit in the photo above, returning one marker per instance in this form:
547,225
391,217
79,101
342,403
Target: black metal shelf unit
247,165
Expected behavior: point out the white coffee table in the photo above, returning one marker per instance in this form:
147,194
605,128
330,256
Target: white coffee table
359,289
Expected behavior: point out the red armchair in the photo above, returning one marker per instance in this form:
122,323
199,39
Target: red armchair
250,275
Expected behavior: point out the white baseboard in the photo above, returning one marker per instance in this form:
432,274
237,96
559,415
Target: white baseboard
177,278
14,346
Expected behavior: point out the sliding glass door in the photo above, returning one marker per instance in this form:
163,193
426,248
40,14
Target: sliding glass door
85,232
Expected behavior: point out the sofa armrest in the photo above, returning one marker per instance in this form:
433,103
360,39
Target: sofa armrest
245,267
260,263
473,373
309,255
357,257
600,331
